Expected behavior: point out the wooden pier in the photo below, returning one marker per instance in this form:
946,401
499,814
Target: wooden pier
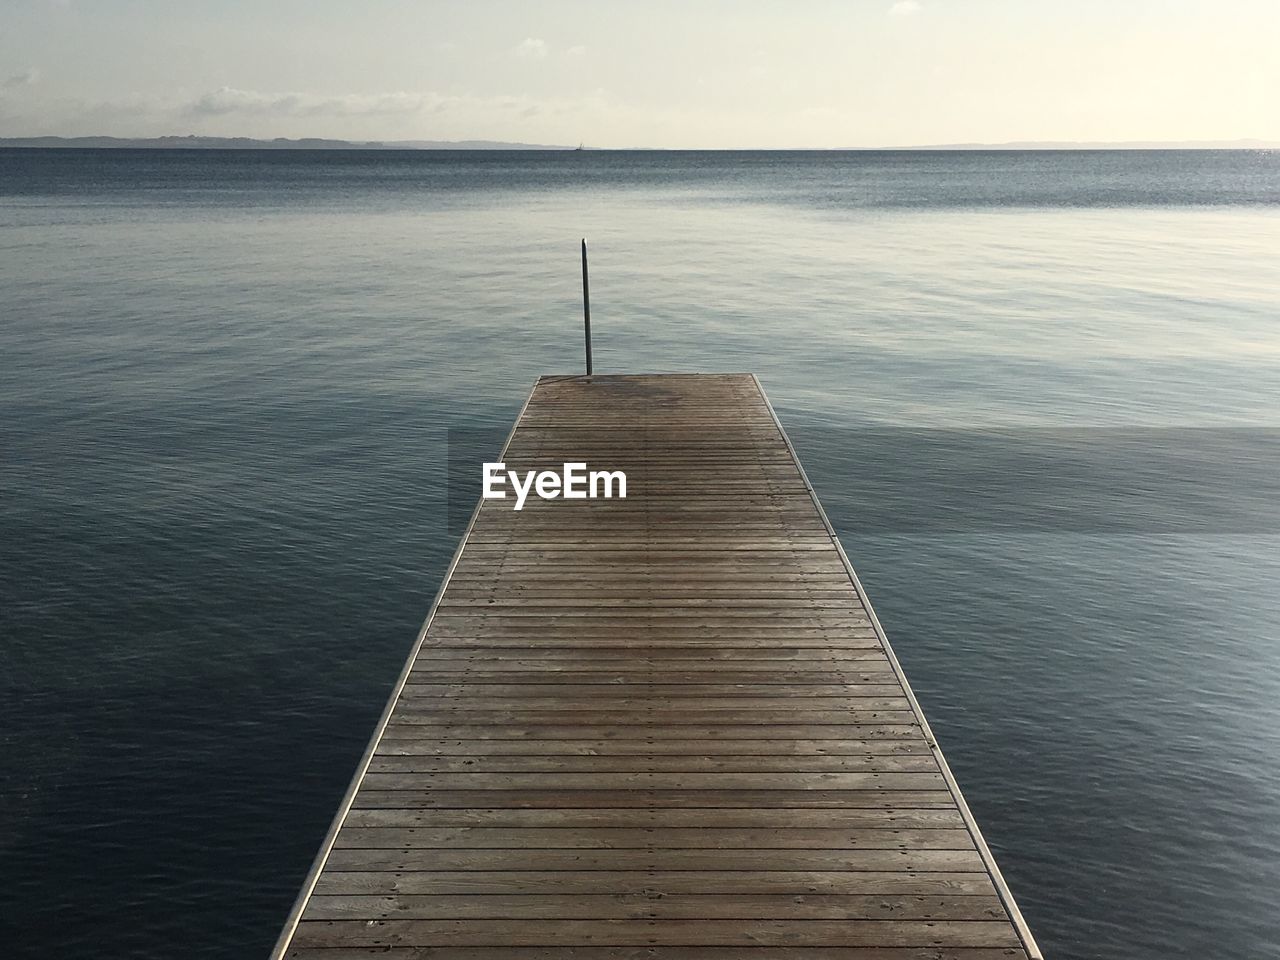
667,726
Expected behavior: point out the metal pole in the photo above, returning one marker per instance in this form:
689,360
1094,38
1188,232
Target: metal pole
586,306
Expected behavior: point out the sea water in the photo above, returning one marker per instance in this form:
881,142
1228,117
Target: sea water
1038,393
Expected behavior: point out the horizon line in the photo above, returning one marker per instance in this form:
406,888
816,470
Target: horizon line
321,143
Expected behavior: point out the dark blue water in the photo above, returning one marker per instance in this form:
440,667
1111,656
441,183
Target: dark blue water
1038,393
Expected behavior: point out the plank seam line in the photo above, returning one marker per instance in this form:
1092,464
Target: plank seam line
344,808
988,859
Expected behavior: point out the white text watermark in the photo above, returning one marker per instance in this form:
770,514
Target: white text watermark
573,482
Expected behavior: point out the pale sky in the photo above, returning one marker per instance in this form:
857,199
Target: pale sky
615,73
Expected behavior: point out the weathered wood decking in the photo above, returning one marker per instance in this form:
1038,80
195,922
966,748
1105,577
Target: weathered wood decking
661,727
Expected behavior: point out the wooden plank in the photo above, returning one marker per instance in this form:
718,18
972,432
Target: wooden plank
666,882
640,906
671,932
761,676
666,717
655,750
651,838
494,690
872,797
552,859
564,635
754,818
410,727
430,727
766,677
645,722
603,780
667,726
586,657
700,763
619,952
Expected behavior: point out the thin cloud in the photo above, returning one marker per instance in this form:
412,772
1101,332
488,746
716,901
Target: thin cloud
365,116
393,112
576,51
531,48
24,79
904,8
231,101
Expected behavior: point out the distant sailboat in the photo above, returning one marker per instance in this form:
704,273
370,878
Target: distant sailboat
579,146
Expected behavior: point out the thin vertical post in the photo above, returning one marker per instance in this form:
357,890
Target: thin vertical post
586,306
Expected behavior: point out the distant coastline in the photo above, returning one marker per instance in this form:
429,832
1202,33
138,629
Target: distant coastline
279,143
192,142
1242,144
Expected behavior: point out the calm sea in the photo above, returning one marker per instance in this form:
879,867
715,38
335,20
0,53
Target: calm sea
1039,393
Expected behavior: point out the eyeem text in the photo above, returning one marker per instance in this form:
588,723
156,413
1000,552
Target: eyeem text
574,482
